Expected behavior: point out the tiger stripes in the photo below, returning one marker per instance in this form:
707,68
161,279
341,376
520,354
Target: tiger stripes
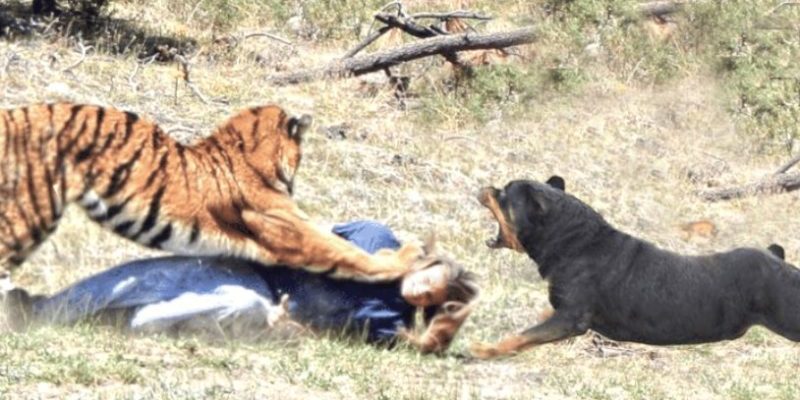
228,194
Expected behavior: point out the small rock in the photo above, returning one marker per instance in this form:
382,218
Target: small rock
336,132
59,91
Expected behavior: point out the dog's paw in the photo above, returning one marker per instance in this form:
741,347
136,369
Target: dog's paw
484,351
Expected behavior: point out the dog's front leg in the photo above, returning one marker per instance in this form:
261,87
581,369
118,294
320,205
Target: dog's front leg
560,326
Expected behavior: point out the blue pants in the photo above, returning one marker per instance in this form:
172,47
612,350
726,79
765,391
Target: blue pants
237,296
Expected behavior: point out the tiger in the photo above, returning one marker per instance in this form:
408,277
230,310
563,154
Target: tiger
229,194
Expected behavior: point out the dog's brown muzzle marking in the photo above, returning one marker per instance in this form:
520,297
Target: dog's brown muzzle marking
506,236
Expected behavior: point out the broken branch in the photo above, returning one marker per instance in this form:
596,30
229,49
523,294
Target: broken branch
410,27
789,164
356,66
771,184
366,42
267,35
661,7
185,67
453,14
80,61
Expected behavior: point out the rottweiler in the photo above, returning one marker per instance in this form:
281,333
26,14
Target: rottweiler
627,289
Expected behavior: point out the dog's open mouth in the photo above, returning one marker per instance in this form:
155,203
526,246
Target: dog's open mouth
506,232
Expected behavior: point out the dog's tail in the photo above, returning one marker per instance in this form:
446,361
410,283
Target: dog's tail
777,251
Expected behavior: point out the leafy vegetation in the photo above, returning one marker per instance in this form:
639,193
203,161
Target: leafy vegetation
751,50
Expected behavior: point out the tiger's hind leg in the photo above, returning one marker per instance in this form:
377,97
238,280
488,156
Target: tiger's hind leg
286,239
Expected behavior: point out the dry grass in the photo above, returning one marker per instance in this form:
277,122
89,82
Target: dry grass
627,150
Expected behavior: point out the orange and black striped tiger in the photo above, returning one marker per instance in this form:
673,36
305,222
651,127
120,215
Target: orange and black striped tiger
228,194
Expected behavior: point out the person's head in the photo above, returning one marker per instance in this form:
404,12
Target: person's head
437,280
444,289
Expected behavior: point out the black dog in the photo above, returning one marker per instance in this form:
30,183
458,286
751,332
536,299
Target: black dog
628,289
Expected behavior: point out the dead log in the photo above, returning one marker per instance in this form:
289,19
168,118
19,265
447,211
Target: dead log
356,66
453,14
789,164
660,8
777,183
410,27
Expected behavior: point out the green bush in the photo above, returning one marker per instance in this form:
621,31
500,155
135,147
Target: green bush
752,49
755,52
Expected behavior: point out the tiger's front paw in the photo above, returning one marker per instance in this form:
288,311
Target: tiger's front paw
397,263
410,254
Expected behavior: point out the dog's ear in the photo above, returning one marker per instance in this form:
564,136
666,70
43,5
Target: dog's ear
777,251
535,204
557,182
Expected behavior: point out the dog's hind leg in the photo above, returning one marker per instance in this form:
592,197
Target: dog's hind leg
786,326
782,312
561,325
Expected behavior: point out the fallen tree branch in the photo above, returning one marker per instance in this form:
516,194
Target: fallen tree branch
267,35
782,5
356,66
772,184
366,42
453,14
84,50
185,67
410,27
661,7
789,164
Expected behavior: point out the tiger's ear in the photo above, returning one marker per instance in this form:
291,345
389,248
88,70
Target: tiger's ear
556,182
298,126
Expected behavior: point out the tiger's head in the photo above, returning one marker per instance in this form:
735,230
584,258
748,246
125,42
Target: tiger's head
270,143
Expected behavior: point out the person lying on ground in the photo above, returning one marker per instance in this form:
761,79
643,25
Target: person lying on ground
239,299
